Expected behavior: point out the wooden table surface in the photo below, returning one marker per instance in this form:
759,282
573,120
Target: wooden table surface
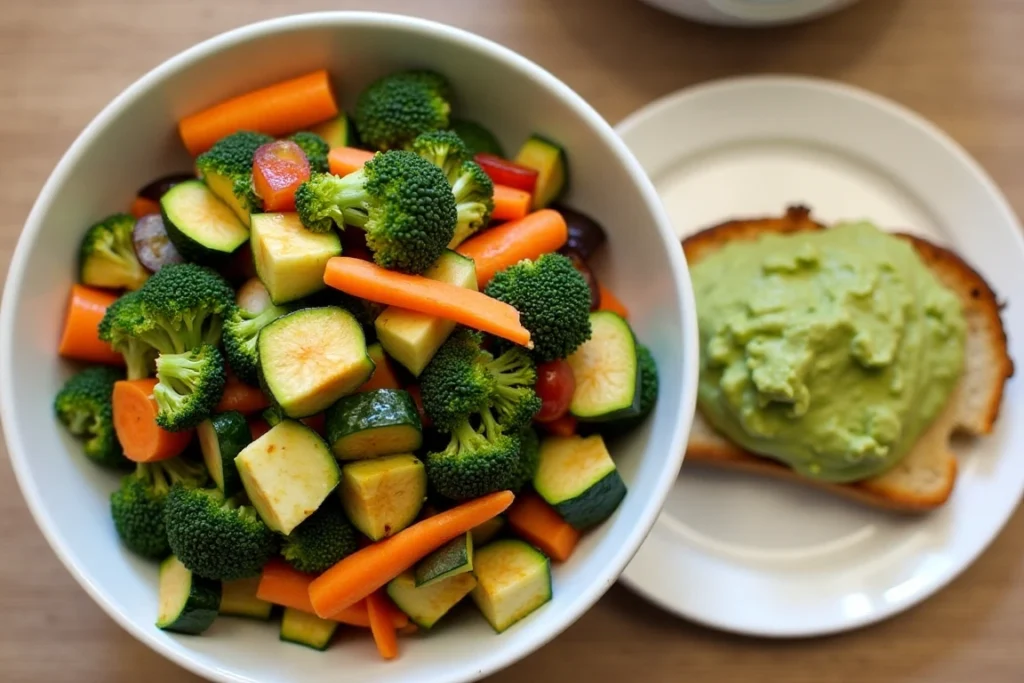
959,62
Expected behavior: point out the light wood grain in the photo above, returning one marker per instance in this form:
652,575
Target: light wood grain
956,61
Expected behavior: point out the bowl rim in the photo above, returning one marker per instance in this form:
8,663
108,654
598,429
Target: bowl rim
500,657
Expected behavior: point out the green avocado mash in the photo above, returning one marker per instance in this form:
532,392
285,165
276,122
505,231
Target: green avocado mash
829,351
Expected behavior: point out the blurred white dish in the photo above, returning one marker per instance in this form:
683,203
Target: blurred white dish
774,559
750,12
134,139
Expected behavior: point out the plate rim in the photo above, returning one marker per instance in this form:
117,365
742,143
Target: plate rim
892,109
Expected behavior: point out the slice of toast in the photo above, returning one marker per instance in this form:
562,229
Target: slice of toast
924,479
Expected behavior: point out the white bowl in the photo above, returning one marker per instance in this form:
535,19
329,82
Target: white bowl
134,140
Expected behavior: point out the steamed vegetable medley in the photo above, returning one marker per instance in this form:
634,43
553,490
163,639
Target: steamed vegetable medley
357,368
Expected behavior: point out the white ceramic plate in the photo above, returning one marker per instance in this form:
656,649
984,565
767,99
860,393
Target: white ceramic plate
773,559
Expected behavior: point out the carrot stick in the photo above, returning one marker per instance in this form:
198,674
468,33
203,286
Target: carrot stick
345,160
81,338
380,625
610,302
284,585
496,249
538,523
473,309
366,570
275,110
509,203
563,426
135,412
241,397
143,207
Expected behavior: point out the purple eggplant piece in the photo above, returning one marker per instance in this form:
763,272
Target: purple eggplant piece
156,189
152,245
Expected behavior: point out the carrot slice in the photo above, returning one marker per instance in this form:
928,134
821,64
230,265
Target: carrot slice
380,625
241,397
143,207
317,423
538,523
563,426
366,570
282,584
473,309
345,160
275,110
510,204
142,439
496,249
610,302
258,427
383,377
80,339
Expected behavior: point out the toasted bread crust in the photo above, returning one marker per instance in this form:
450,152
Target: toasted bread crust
926,477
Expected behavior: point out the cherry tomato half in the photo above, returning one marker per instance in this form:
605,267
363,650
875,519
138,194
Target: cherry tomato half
278,168
555,385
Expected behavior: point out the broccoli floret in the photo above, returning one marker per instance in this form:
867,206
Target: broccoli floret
216,538
179,308
184,306
84,406
241,330
477,138
648,394
401,201
473,190
392,111
443,149
322,540
231,158
529,458
123,326
476,461
462,379
553,301
513,398
456,382
315,148
107,255
189,388
137,508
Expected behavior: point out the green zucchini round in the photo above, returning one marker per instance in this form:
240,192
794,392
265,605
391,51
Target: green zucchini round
370,424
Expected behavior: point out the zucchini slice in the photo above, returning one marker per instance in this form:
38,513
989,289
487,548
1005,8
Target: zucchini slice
383,496
201,227
485,532
412,338
606,371
238,599
221,438
477,138
577,477
287,473
303,628
289,259
337,132
188,603
425,605
513,580
548,159
311,358
453,558
374,423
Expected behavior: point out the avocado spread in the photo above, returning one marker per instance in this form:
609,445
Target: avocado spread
830,351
